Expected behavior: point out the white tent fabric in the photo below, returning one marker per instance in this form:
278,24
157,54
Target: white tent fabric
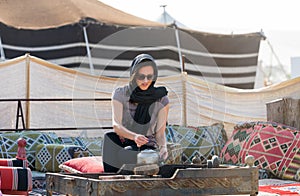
193,101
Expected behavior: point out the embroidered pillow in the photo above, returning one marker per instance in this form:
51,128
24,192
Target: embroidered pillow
276,148
232,148
204,141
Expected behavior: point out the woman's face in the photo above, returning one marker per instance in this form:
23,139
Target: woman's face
144,77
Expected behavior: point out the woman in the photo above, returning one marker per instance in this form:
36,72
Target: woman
140,113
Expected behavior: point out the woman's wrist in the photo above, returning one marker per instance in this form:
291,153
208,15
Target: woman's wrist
135,137
163,146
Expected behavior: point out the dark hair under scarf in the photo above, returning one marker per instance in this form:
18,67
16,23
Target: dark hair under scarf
144,98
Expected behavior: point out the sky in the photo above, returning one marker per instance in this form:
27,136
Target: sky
277,19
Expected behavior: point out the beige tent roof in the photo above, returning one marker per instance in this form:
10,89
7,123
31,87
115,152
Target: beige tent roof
37,14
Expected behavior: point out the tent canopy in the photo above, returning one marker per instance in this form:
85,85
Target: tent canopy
89,35
43,14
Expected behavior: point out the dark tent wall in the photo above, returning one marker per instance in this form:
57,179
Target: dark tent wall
235,55
54,43
113,42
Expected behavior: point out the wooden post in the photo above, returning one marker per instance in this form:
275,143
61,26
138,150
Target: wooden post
183,63
27,125
285,111
184,99
184,92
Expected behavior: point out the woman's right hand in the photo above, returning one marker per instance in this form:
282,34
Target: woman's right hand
140,140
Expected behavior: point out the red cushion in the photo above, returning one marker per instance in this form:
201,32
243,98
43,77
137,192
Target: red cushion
15,178
274,146
83,165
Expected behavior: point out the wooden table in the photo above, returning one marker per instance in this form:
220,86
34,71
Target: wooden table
224,180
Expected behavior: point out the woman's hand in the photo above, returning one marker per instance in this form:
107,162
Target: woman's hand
140,140
163,152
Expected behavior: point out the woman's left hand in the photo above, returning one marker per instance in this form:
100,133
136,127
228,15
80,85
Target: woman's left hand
163,152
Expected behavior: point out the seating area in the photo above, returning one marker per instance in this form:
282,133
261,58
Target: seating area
46,151
274,146
16,176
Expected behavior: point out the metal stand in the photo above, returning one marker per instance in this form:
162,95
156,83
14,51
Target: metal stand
20,114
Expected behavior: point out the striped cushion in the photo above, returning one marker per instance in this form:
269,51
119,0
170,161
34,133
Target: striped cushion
14,162
16,178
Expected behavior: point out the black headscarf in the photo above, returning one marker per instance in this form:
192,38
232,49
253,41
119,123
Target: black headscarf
144,98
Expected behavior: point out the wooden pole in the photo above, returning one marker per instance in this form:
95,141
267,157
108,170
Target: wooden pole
183,63
27,91
184,91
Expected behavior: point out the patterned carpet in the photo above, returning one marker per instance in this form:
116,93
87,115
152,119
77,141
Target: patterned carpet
277,187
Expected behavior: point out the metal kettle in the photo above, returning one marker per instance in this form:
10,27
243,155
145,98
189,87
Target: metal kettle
147,156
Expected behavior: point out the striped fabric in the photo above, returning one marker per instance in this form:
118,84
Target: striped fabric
13,162
224,59
16,178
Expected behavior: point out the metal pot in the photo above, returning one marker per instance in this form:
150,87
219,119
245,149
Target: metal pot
148,156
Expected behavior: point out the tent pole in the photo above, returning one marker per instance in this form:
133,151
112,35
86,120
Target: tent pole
88,50
183,75
184,92
28,91
178,47
2,51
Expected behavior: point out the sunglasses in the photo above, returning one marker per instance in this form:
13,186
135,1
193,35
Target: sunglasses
142,77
